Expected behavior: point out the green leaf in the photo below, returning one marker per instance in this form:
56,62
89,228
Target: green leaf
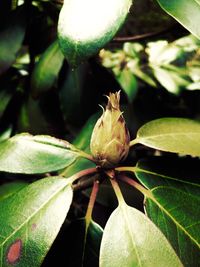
131,239
11,38
29,154
6,190
70,93
30,221
174,205
185,12
82,141
176,135
128,83
46,70
83,244
85,27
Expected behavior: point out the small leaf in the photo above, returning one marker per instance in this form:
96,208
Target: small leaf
128,83
131,239
11,38
31,219
6,190
85,27
46,70
29,154
176,135
174,207
185,12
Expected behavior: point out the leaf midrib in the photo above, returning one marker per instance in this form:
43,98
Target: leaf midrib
139,138
34,213
138,169
170,216
124,207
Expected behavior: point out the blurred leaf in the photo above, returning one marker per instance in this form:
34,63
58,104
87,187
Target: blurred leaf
176,135
96,26
170,79
46,70
5,97
71,91
131,239
8,189
29,154
185,12
11,37
128,83
31,219
174,207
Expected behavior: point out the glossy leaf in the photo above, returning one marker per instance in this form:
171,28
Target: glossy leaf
174,206
185,12
85,27
46,70
176,135
6,190
29,154
131,239
30,221
11,38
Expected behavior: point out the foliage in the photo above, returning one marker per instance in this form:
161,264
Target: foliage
57,202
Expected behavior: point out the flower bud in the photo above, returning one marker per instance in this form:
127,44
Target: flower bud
110,138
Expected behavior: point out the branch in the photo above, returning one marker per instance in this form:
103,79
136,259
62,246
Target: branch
142,36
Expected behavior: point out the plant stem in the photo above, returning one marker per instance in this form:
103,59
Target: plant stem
133,142
93,196
80,174
138,186
117,190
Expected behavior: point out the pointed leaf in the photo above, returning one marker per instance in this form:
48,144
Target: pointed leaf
85,27
30,221
131,239
174,207
184,11
176,135
46,70
11,38
29,154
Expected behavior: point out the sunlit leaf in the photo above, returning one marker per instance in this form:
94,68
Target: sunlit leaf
131,239
97,23
184,11
34,154
174,207
177,135
30,221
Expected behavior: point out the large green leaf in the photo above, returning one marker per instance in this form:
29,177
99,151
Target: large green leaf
11,38
171,134
6,190
29,154
131,239
46,70
187,12
84,27
30,221
174,205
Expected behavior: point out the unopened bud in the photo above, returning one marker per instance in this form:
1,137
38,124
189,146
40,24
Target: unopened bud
110,138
